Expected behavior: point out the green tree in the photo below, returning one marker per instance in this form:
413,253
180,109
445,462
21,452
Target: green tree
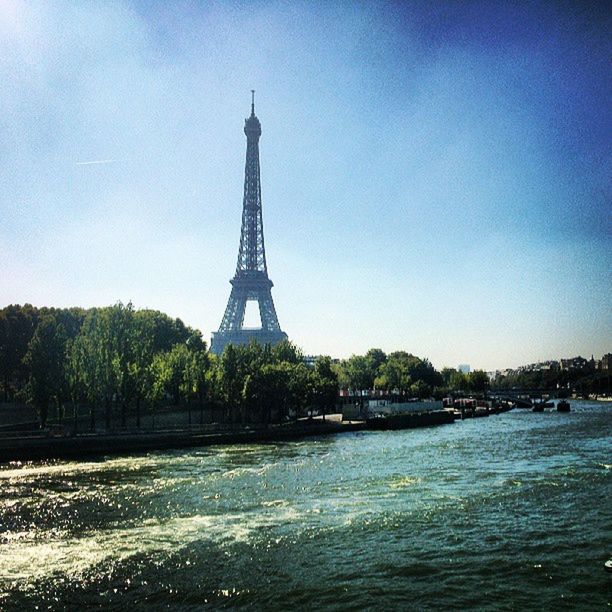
478,381
45,358
172,372
17,326
199,374
360,372
446,374
458,381
286,351
376,357
266,391
299,390
140,371
324,381
340,370
420,389
230,380
100,351
121,330
393,376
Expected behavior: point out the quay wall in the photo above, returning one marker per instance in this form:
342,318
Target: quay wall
27,448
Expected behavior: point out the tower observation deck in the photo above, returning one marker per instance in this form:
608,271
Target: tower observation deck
251,282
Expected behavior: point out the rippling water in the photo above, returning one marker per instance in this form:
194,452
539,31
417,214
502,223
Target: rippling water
508,512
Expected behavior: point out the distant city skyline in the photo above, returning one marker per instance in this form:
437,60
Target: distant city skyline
435,177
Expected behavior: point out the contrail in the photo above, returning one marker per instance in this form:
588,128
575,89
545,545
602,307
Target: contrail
97,161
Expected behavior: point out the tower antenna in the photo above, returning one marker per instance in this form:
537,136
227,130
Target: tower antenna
252,101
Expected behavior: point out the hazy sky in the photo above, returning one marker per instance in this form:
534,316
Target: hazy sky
436,176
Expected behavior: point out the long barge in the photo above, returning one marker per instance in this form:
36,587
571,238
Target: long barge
410,420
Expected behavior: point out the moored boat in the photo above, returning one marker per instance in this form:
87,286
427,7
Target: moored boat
539,406
563,406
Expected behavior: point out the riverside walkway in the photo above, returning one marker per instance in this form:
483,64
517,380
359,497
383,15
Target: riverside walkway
46,445
49,446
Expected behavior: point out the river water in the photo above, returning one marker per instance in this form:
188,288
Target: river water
513,511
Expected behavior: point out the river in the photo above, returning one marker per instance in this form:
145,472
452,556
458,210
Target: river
513,511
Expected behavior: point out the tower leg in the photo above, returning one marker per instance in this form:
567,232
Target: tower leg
267,312
234,312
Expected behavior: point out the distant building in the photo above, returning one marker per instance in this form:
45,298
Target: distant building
574,363
606,362
310,360
464,367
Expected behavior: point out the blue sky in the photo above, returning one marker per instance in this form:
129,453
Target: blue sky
435,176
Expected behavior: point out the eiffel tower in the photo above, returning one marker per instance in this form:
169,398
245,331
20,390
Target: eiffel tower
251,280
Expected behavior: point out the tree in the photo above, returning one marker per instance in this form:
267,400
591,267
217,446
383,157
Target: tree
446,374
393,376
299,391
121,331
324,382
171,372
230,379
266,391
478,381
376,357
81,375
166,331
286,351
458,381
420,389
17,326
341,374
45,358
140,372
102,354
199,374
360,372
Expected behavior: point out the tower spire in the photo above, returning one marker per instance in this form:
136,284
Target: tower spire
251,282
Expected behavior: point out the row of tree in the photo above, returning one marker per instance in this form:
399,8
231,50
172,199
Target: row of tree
117,359
584,380
401,373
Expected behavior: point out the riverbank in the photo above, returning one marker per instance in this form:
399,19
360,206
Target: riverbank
510,509
49,446
33,447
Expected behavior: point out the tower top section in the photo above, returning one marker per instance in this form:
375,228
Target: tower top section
252,127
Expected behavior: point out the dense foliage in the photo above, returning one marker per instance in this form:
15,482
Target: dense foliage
115,360
403,374
583,379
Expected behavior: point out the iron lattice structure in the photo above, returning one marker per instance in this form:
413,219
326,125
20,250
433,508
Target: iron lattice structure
251,280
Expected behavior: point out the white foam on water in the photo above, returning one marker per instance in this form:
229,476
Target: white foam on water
24,558
54,469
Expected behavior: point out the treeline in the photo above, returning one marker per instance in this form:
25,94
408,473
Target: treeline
403,374
117,360
584,381
118,363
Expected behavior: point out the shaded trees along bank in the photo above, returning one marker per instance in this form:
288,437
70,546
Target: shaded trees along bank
117,361
101,357
398,373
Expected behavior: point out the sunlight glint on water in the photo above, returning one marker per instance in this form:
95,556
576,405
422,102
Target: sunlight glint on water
513,508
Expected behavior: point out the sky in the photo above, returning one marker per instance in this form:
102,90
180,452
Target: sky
436,176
